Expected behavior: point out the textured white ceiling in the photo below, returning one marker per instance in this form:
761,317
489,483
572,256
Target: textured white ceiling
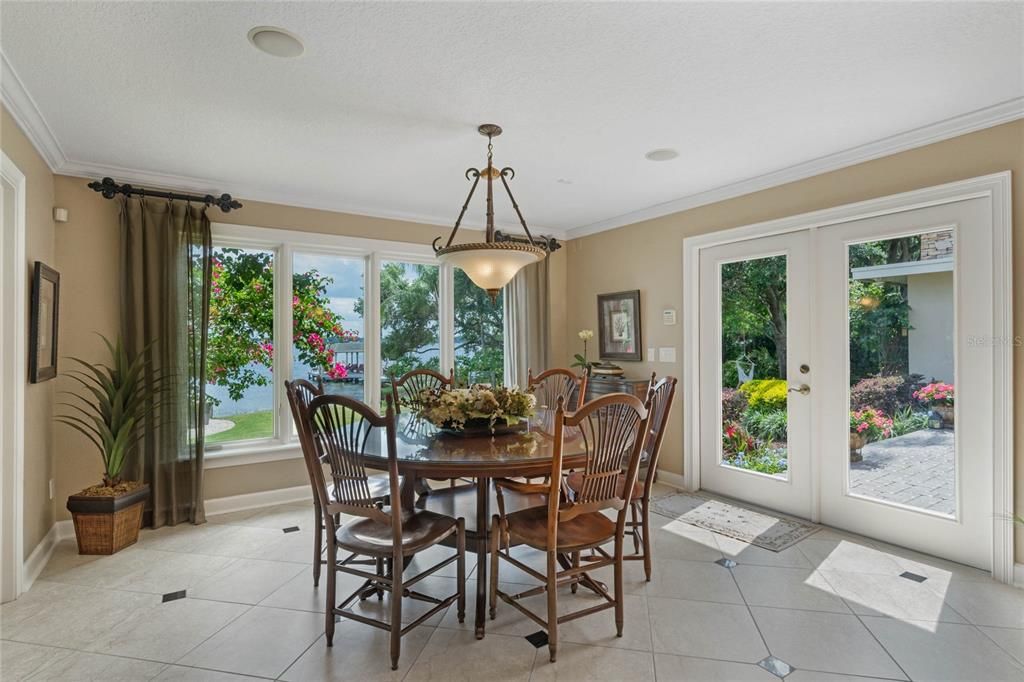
379,115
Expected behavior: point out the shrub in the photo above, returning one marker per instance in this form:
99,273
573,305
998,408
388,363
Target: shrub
887,393
765,394
764,459
734,404
872,423
735,439
938,393
767,425
907,421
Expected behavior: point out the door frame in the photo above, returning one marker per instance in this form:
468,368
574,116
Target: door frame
995,189
13,369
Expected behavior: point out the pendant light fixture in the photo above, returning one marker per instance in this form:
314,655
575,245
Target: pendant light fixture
492,264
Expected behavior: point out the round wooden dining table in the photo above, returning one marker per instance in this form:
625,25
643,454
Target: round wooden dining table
426,452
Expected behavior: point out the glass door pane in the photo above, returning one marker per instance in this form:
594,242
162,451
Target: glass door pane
327,322
479,333
754,328
410,329
901,332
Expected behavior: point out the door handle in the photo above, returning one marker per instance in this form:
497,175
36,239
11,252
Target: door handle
803,389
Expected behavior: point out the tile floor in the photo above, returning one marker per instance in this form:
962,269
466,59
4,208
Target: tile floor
834,607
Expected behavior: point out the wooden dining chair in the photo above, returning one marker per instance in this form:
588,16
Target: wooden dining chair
552,384
343,431
612,429
660,394
300,394
407,392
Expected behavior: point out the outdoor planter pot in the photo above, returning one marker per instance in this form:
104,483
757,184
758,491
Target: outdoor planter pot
107,524
857,441
946,412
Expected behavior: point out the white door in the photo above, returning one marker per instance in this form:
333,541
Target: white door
748,287
921,487
882,425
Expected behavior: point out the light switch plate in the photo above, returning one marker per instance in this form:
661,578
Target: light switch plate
667,354
650,354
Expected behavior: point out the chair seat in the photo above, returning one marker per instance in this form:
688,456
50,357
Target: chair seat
420,529
575,481
379,486
530,526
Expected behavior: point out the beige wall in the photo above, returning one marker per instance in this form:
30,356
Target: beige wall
87,248
648,255
39,508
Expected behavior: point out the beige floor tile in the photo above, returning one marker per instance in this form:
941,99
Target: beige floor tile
457,656
1009,640
944,651
507,619
181,673
437,554
18,660
261,642
673,539
695,628
73,615
744,553
247,581
579,663
988,603
686,669
166,631
794,588
816,676
830,642
83,667
887,595
599,628
275,517
704,581
433,586
291,547
360,652
938,571
845,555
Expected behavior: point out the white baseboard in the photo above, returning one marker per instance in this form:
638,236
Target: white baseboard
672,480
1018,575
266,498
37,560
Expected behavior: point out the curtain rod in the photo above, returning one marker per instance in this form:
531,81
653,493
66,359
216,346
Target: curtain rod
549,244
109,189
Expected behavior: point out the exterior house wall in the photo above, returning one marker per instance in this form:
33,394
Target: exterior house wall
931,325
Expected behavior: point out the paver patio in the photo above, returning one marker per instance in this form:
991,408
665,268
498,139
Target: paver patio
914,469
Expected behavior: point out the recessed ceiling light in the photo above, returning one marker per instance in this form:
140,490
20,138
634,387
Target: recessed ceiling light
276,41
661,154
564,181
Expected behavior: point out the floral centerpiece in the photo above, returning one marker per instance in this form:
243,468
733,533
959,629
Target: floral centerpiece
940,397
480,408
867,425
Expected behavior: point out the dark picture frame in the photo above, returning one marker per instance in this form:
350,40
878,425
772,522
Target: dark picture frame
618,326
42,350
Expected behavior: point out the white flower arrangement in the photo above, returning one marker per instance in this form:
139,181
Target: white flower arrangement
453,408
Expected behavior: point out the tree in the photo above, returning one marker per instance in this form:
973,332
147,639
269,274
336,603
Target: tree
241,333
754,308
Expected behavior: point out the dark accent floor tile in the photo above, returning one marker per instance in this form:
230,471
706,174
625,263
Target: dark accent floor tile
728,563
538,639
913,576
171,596
776,666
291,529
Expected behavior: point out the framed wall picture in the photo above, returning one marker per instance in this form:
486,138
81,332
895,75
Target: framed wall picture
618,325
42,350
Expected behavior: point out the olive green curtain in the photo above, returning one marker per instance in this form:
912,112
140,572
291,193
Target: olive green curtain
527,323
165,304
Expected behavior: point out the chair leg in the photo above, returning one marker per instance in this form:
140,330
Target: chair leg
619,615
396,611
332,582
318,541
552,604
635,525
460,547
380,571
575,564
645,519
495,546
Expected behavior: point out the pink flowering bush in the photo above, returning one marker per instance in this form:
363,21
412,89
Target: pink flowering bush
871,422
938,393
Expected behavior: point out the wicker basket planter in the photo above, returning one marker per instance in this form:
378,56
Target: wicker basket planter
857,443
105,525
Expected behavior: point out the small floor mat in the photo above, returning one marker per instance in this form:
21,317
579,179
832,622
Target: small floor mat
758,527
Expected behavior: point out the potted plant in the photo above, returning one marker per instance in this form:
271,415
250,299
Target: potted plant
110,411
581,360
940,397
478,410
867,425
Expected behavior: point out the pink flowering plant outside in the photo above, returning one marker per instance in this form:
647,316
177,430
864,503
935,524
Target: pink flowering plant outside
872,423
937,393
241,330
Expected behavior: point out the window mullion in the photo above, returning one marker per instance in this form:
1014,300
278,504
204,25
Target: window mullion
371,330
446,310
282,340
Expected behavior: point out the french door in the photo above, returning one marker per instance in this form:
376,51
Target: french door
845,376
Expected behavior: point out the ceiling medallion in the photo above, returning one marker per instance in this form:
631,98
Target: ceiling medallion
492,264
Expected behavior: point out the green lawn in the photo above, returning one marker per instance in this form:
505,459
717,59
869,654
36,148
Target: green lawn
247,427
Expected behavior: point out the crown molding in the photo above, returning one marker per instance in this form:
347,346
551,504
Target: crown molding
26,114
987,117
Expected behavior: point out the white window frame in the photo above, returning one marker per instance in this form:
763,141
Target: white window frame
283,244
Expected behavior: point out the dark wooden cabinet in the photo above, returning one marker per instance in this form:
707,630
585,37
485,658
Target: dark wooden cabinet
599,385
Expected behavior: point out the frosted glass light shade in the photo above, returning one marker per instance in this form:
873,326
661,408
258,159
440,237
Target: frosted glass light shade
491,265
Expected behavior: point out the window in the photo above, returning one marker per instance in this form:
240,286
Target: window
479,333
350,311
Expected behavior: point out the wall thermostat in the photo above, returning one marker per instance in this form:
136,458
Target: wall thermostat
668,316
